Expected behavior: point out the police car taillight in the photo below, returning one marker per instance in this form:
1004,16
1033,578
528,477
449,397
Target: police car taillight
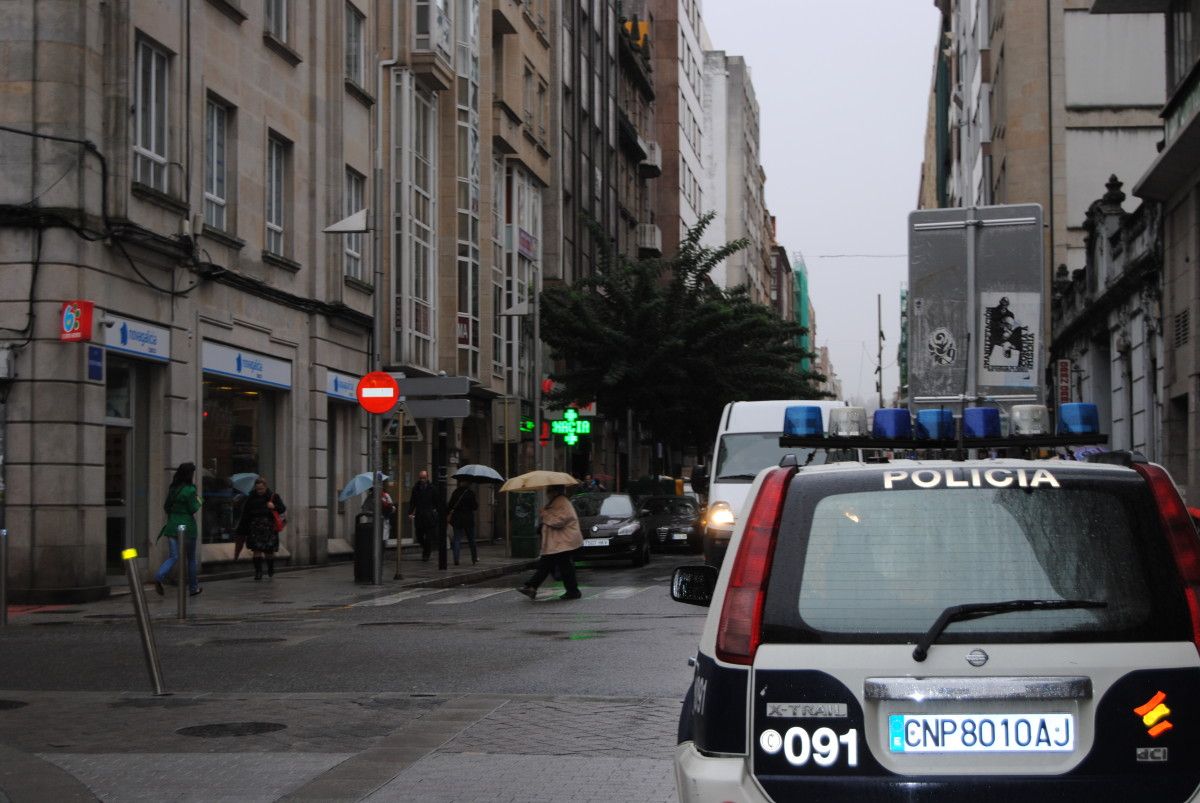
1181,534
740,626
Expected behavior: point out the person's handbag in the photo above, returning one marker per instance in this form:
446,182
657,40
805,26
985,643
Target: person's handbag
277,522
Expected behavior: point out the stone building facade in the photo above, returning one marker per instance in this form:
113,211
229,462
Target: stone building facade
172,166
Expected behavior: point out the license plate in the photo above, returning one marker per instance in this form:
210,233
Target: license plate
981,733
679,537
595,542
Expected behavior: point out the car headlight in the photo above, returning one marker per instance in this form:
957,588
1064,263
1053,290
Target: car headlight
629,529
720,515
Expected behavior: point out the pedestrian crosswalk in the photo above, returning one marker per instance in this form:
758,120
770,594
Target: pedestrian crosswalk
459,596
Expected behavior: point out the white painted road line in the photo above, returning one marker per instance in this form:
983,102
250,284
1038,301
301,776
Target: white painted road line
618,592
401,596
468,596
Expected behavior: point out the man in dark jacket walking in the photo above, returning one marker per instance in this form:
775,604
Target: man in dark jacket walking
423,510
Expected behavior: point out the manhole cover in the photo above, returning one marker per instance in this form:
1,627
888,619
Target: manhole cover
229,641
9,705
220,730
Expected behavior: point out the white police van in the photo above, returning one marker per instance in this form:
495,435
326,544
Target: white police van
747,442
945,630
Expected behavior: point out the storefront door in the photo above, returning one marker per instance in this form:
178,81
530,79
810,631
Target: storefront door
118,494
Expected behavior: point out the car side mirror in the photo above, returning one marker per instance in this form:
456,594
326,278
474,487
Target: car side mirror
694,584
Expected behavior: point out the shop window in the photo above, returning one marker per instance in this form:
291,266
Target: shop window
238,439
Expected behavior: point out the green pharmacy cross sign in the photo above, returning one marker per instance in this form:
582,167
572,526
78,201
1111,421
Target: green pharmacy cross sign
571,426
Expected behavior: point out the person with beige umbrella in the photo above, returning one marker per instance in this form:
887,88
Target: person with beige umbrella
561,535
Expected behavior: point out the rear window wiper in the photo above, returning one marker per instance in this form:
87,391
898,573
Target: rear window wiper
977,610
736,477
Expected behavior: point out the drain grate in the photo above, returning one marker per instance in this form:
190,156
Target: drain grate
9,705
221,730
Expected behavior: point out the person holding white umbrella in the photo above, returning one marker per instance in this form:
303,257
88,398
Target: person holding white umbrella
561,536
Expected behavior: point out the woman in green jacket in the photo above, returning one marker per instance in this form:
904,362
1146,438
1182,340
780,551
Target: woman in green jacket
181,506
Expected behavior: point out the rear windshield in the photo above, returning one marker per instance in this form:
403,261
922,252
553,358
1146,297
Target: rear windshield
879,564
740,456
616,505
675,506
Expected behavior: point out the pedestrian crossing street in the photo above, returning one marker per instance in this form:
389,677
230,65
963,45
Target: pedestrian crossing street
459,596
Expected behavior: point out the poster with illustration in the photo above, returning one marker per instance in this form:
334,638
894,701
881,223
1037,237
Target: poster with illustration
1011,329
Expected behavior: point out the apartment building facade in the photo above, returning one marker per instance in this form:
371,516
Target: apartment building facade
170,298
1172,183
733,178
678,78
1043,103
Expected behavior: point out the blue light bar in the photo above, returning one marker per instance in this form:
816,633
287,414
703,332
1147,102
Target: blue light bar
935,424
803,421
891,422
981,422
1078,418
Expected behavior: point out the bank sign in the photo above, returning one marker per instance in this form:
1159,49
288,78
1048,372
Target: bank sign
138,338
340,386
249,366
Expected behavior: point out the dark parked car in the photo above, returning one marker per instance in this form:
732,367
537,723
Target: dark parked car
611,531
672,523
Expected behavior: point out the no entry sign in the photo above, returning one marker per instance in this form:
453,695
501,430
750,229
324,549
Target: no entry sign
377,392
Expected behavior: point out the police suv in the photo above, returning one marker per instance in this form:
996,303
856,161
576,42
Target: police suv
941,629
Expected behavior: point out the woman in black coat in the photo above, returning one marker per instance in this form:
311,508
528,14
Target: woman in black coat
258,525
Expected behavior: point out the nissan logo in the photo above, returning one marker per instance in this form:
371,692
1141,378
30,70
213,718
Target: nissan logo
977,658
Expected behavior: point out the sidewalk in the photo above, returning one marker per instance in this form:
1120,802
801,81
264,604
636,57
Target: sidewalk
235,593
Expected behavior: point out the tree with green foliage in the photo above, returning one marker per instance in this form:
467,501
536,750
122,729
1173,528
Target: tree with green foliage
657,337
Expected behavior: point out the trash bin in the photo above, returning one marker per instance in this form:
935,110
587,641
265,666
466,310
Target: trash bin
364,548
524,525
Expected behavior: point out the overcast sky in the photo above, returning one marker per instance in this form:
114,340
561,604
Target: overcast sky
843,99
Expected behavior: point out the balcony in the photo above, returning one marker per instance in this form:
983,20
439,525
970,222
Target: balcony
506,14
506,128
651,166
432,58
649,240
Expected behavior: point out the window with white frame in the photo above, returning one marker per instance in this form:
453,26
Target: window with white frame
277,154
498,184
356,25
355,193
277,19
216,135
423,228
150,115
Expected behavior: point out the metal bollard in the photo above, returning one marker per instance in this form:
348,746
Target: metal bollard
3,577
137,594
181,539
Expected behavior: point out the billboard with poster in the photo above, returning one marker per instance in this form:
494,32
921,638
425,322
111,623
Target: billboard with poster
975,305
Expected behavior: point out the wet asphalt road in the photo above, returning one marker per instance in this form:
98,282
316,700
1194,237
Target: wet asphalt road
625,638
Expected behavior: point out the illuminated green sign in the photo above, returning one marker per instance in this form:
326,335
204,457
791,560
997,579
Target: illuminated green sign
571,426
527,425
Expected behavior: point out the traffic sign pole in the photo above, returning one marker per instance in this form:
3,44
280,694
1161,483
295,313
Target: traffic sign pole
377,393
